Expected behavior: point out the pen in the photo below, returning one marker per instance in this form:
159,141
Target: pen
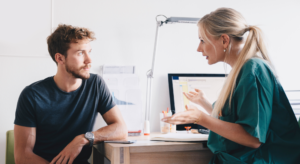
165,114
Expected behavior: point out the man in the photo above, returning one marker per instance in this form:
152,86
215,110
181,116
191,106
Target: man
55,116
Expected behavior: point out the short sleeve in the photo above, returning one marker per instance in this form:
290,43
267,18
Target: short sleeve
105,99
25,112
253,100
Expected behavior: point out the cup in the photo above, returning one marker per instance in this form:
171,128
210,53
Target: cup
164,127
172,128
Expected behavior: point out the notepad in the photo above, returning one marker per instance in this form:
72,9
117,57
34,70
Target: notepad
182,137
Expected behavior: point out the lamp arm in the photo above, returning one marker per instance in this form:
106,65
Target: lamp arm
150,72
149,82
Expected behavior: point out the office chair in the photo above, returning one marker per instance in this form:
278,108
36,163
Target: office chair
9,158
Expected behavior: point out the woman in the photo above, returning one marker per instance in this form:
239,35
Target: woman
252,120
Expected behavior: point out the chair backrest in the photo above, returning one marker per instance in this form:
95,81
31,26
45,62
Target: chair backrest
10,158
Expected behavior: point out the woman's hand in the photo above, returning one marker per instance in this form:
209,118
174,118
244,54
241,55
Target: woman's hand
198,97
191,115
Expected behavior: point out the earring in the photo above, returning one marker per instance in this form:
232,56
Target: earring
224,50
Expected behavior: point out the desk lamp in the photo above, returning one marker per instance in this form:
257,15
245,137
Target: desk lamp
159,23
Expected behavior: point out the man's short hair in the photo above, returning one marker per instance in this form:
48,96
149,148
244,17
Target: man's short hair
59,41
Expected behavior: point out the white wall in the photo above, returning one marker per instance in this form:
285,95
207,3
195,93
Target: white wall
125,36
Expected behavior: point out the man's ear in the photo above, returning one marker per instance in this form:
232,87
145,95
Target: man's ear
59,58
225,40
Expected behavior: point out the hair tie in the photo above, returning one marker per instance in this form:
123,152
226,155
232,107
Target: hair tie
248,28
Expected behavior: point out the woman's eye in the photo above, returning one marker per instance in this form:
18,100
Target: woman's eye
202,41
80,53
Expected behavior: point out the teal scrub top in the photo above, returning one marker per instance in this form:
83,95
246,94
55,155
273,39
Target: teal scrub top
260,106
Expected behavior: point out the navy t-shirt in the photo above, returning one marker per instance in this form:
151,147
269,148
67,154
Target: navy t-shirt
60,116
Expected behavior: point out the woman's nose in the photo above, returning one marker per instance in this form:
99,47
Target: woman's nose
199,49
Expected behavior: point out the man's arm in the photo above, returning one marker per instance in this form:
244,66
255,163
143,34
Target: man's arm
24,143
115,130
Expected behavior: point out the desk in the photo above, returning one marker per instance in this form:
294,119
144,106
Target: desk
145,151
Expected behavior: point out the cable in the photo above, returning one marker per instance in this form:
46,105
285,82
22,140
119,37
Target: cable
162,16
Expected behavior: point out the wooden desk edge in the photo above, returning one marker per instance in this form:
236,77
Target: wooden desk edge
111,150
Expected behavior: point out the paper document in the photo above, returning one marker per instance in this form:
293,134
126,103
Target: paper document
181,137
126,93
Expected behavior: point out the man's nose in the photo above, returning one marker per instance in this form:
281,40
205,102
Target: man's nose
87,59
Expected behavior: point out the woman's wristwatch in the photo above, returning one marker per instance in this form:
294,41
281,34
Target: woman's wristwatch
90,136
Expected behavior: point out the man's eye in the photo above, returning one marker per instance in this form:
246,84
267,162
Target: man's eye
80,53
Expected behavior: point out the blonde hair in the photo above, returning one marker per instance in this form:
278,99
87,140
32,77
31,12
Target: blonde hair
229,21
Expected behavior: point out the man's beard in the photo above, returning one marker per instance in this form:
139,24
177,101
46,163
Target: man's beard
76,73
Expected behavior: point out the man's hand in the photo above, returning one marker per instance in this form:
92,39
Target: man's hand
71,151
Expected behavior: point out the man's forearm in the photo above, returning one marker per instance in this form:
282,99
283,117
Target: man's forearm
115,131
30,158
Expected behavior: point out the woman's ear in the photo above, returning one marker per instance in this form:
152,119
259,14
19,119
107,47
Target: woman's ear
59,58
225,40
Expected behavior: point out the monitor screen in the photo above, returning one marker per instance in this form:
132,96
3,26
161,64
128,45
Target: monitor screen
210,84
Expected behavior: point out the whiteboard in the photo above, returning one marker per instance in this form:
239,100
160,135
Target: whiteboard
25,25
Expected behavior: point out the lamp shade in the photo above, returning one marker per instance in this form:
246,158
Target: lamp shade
182,20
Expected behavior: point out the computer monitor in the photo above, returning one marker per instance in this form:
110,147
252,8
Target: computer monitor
210,84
